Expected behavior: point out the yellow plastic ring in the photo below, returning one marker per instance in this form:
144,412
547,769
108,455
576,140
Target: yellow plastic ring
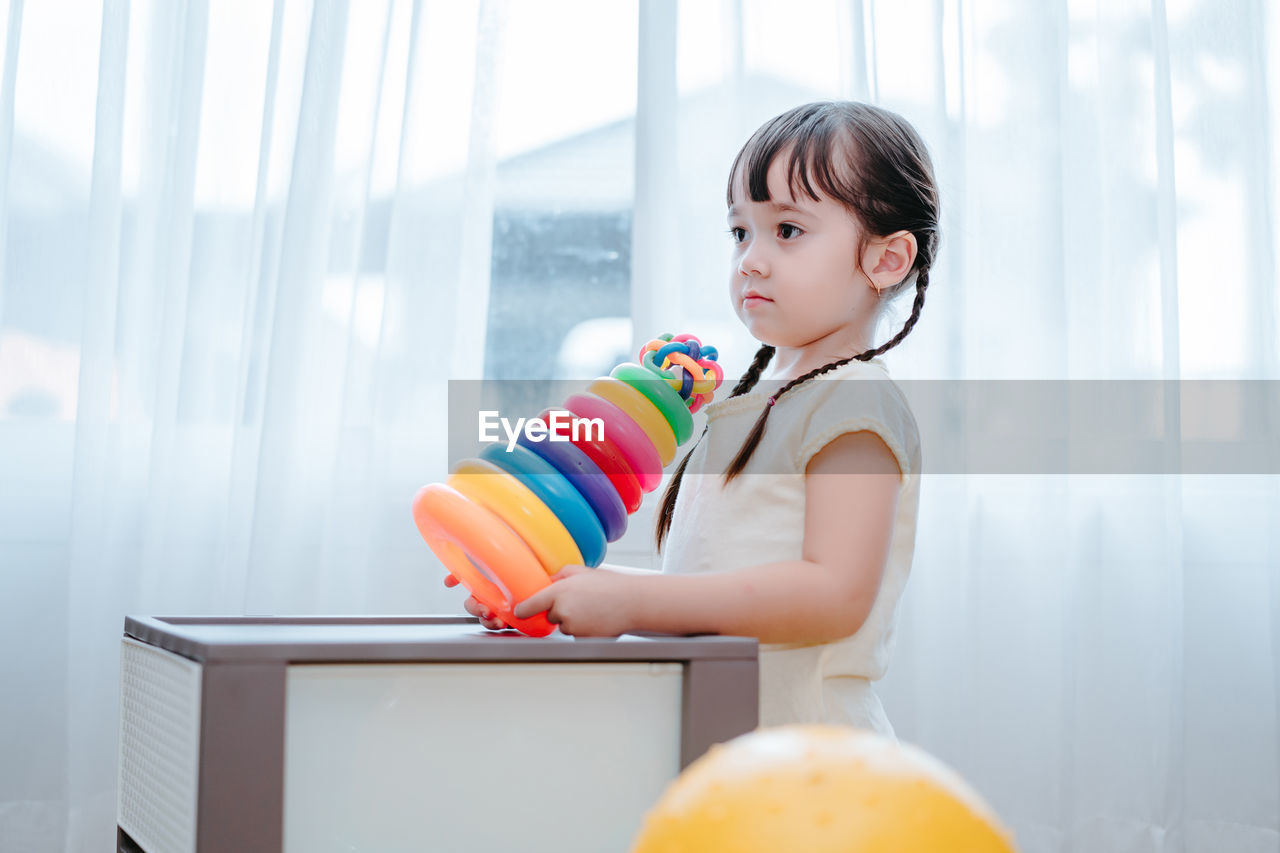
643,412
522,510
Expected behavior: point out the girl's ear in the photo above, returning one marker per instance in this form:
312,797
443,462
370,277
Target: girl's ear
889,259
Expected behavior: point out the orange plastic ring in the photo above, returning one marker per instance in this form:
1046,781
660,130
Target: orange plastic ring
486,484
460,532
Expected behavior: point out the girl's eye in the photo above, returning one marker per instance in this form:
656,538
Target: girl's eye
785,228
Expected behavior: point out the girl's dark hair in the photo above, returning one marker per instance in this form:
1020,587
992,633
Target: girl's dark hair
873,162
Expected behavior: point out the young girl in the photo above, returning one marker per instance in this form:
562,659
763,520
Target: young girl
793,518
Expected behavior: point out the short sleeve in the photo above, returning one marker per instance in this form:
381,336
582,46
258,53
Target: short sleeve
861,404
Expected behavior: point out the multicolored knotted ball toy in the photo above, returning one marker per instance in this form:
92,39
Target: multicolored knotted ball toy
507,521
690,368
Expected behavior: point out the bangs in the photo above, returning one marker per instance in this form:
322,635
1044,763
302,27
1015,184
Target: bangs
816,144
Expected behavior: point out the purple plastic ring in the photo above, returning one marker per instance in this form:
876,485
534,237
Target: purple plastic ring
586,476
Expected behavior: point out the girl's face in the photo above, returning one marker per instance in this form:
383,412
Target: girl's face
794,279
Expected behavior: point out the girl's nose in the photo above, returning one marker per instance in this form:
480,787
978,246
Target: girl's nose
753,263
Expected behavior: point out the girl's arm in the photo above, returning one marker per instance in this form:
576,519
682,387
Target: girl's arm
851,497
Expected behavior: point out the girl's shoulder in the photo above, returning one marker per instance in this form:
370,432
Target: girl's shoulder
806,395
862,397
850,389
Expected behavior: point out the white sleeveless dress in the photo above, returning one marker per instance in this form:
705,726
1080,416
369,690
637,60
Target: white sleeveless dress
759,518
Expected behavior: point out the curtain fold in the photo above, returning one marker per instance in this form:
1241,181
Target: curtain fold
91,754
13,36
298,417
231,592
229,313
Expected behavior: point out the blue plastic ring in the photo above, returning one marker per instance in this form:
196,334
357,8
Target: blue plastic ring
557,493
586,476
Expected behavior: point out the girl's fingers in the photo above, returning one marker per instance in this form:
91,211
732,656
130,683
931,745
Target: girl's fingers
484,614
475,608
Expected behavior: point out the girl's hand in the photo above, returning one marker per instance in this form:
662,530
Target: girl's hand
475,608
585,602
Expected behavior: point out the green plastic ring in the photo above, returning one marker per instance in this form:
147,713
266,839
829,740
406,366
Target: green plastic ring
661,394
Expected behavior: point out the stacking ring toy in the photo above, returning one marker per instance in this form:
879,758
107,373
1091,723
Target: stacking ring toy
512,501
512,517
625,434
587,477
644,413
662,395
459,532
541,477
610,461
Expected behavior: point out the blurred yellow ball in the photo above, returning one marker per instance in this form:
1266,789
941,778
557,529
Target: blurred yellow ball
820,789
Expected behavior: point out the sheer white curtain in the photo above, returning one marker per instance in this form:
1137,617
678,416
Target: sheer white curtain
244,245
1097,654
244,242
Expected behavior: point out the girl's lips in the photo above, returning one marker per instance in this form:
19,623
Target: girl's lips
752,301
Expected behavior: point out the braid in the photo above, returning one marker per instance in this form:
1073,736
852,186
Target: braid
757,430
922,284
748,381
